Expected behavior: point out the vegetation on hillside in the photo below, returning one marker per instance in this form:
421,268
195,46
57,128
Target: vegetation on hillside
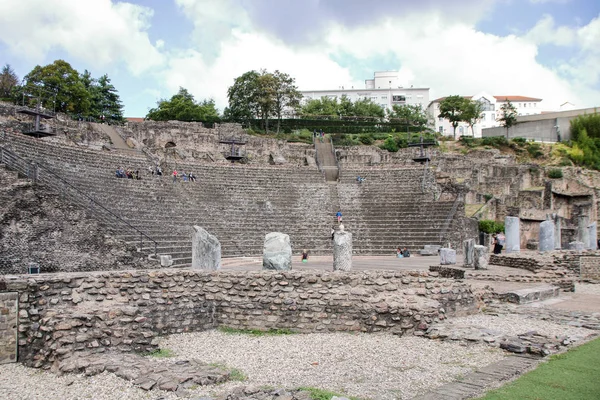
183,107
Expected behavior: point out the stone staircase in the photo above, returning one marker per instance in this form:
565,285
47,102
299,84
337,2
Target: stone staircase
326,159
241,203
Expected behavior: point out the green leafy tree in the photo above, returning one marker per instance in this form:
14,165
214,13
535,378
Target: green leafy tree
105,100
58,81
368,108
585,133
243,97
452,109
325,106
472,113
409,114
287,95
8,81
329,106
508,117
183,107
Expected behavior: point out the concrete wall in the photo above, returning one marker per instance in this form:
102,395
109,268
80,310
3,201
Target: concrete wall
64,313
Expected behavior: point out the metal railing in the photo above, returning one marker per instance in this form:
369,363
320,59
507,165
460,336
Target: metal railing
40,174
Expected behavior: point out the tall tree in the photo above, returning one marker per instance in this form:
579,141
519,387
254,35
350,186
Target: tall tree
368,108
8,81
287,95
473,112
508,118
183,107
411,114
243,97
106,100
61,82
325,106
452,109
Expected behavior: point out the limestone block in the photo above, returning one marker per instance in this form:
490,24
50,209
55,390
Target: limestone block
481,257
583,236
557,232
576,246
447,256
166,261
468,251
277,252
546,236
206,250
310,161
430,250
132,143
512,228
593,236
278,159
342,251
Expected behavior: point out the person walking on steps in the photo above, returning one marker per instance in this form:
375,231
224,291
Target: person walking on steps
332,232
339,216
174,175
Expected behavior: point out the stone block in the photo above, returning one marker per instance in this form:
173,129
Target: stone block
579,246
342,251
512,227
546,236
430,250
206,250
592,236
468,251
481,257
447,256
277,252
166,261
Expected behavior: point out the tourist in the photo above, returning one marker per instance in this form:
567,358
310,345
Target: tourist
158,171
174,175
332,232
500,239
360,179
405,253
185,177
304,255
137,174
151,170
399,252
192,177
339,216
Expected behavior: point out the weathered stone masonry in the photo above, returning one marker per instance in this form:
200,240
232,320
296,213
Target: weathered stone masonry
126,311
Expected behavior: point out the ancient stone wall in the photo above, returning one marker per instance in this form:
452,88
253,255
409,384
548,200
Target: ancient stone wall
563,261
63,313
8,326
590,268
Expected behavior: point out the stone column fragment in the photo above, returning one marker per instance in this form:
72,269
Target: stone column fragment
583,235
547,236
513,234
206,250
468,251
342,251
481,257
593,236
277,252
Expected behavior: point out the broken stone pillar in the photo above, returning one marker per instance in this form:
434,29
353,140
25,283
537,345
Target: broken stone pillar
277,252
468,250
593,236
557,232
481,257
166,260
513,234
579,246
582,229
206,250
447,256
546,236
342,251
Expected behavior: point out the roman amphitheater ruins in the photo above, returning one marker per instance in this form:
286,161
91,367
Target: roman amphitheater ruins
102,276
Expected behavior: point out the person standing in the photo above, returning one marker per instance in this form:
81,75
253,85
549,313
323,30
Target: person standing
339,216
174,175
304,255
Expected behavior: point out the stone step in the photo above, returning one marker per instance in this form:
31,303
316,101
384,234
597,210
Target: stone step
530,295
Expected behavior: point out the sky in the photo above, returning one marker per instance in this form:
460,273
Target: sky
547,49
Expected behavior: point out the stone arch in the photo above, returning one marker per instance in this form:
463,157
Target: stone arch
168,145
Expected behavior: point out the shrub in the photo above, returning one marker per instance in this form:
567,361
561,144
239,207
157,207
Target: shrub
535,150
366,138
488,197
555,173
494,141
390,145
491,226
519,140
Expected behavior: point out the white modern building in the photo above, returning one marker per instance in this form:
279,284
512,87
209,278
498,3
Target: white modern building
384,89
492,111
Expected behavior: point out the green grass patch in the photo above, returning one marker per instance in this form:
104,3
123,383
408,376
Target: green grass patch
322,394
162,353
255,332
568,376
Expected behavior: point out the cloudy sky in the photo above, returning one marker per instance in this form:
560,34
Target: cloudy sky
539,48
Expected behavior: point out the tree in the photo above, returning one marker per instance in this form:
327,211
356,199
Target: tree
8,81
473,112
287,95
183,107
409,114
367,108
105,100
329,106
452,109
60,83
243,97
509,115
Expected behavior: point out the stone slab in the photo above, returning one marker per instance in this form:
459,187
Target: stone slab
206,250
530,295
9,309
277,252
447,256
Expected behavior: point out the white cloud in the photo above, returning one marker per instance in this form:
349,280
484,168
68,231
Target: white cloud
98,32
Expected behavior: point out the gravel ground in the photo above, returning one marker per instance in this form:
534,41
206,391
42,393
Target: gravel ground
380,366
587,288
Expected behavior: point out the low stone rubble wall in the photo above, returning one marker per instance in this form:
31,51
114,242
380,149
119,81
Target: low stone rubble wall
565,284
556,261
64,313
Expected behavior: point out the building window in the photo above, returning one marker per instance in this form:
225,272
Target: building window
486,104
383,97
441,129
373,98
419,96
534,105
398,99
520,105
493,117
524,105
441,119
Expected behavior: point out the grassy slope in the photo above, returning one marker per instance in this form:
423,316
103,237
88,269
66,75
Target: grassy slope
574,375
